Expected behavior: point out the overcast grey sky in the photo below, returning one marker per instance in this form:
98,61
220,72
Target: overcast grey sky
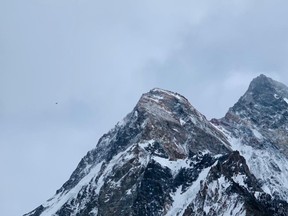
95,59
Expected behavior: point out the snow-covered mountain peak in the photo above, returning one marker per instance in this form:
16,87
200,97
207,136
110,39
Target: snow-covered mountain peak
165,158
257,126
264,91
265,83
171,116
261,80
264,104
158,102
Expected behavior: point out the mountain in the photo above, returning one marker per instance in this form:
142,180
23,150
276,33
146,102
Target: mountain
166,158
257,126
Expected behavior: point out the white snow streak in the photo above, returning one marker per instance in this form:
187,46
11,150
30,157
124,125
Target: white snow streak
182,200
174,166
257,134
266,165
60,199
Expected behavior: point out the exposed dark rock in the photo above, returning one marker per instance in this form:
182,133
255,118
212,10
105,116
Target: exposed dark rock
166,158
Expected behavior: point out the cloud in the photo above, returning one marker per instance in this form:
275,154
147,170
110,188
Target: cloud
96,58
236,40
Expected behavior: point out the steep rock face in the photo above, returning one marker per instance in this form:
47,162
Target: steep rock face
257,126
161,117
231,188
135,165
164,158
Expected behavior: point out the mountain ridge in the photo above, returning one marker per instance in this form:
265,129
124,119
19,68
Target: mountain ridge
257,126
166,158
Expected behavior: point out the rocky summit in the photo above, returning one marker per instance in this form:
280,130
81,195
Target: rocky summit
166,158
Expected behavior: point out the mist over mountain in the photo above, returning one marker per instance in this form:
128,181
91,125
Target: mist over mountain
166,158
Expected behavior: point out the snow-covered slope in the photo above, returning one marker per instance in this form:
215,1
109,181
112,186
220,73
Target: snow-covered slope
166,158
257,126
